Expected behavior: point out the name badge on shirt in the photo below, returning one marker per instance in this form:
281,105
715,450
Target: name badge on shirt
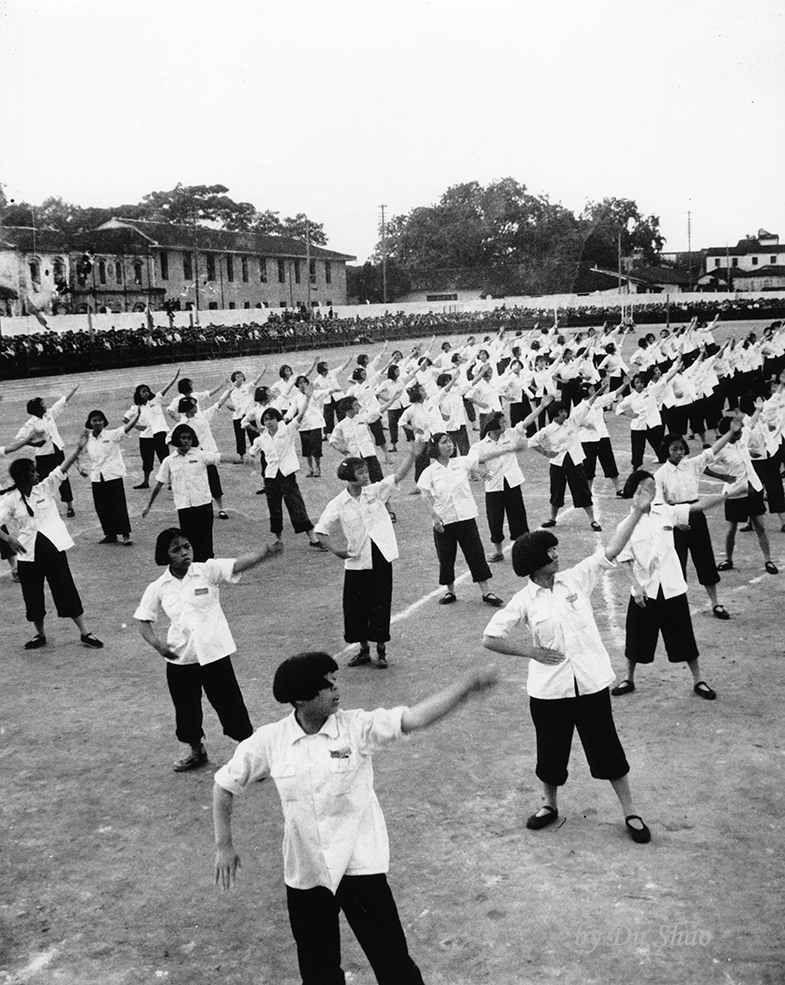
340,753
201,591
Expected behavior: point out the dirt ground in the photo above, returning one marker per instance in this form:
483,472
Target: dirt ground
107,854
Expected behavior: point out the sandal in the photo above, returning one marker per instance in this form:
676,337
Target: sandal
360,658
725,565
641,835
448,598
720,611
393,517
223,515
36,642
626,687
537,820
91,640
596,527
548,523
772,568
492,600
703,690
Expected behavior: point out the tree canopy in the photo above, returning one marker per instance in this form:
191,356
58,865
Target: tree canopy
183,204
501,239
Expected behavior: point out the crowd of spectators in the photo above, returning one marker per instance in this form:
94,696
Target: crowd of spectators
53,353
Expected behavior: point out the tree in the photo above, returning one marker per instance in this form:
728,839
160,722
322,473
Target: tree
366,283
185,204
612,219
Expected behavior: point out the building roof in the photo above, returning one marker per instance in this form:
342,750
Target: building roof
770,270
649,275
748,245
168,236
30,240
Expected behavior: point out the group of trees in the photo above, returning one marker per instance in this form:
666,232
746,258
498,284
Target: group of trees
502,240
182,205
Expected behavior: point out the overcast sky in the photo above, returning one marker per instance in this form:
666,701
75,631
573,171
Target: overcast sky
333,107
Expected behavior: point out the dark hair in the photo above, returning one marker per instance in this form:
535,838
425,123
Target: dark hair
667,441
362,359
21,468
271,413
262,394
186,404
299,378
321,367
302,677
633,481
185,385
138,394
347,470
433,444
557,407
282,370
493,423
530,551
164,541
235,374
641,377
36,406
415,394
443,379
357,374
184,429
345,404
393,371
96,413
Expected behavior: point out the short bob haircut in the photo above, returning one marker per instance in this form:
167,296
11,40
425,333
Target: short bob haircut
186,403
347,470
302,677
393,372
530,552
271,413
96,413
236,375
183,429
557,407
672,439
345,404
21,469
36,406
632,483
359,374
321,368
138,394
415,394
443,379
262,395
185,385
163,542
433,443
301,379
283,370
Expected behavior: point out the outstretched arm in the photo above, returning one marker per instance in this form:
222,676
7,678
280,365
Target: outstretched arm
171,383
414,450
246,561
641,501
131,423
431,709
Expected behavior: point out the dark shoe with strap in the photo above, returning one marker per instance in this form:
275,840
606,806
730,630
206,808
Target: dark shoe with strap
703,690
626,687
539,820
641,835
360,658
36,642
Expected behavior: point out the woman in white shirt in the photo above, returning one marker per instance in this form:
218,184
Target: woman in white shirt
241,398
152,426
569,668
40,540
199,643
107,471
309,408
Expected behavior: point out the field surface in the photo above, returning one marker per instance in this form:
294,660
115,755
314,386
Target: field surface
106,855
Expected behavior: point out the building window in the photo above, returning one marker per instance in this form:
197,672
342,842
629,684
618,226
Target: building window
213,305
230,268
773,261
231,305
312,271
210,267
137,272
244,269
189,306
35,273
734,262
717,262
281,272
754,261
262,270
297,271
118,272
328,272
282,304
164,265
246,304
58,271
188,266
102,271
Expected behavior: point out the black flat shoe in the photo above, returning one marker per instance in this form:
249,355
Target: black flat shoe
640,835
36,642
703,690
626,687
537,820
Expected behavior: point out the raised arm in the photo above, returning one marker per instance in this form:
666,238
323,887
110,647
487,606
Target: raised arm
170,384
431,709
131,423
76,452
641,501
403,469
254,558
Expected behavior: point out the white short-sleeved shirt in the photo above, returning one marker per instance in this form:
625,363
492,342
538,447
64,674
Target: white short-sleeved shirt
47,424
561,619
279,451
505,467
449,486
198,395
199,632
188,476
106,459
46,517
354,434
679,483
151,416
650,547
362,520
333,824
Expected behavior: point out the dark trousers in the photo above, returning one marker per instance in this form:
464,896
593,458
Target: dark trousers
196,523
393,416
239,435
51,565
111,507
671,617
638,441
510,501
465,533
370,911
44,464
768,470
461,440
284,489
568,473
602,450
150,447
697,542
214,482
367,601
186,682
555,721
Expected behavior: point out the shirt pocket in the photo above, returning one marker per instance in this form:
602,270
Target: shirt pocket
342,771
285,778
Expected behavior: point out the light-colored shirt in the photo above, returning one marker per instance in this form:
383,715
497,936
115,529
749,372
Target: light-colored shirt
199,632
449,486
106,459
505,467
679,483
561,619
353,433
47,424
655,562
362,520
46,517
333,823
188,477
279,451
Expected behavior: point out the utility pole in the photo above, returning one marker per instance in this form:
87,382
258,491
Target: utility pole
384,256
689,248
